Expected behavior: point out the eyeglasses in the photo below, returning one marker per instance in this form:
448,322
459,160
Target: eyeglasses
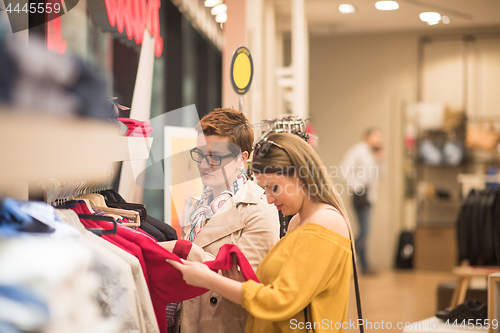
213,160
261,148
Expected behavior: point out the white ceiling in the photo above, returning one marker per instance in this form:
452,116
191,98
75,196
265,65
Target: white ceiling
324,18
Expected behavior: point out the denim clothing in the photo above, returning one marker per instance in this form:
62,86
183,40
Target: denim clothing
363,215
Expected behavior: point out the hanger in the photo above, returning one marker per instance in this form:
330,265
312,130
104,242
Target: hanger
99,231
94,202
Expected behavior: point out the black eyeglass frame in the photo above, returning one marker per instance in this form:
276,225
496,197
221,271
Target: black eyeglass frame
206,157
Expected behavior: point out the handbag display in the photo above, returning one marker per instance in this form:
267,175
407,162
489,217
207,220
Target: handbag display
452,119
481,137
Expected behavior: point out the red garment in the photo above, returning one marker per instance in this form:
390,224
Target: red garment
130,121
166,284
139,129
122,243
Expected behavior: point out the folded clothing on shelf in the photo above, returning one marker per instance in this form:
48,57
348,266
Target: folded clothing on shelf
129,121
34,79
136,128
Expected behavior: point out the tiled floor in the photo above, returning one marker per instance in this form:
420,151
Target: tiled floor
397,296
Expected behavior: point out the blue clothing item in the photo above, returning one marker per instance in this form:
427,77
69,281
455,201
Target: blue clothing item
8,328
492,171
363,214
19,307
20,295
46,214
13,220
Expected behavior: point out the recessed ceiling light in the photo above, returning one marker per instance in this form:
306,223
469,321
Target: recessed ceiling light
445,19
221,8
221,17
386,5
347,9
431,18
211,3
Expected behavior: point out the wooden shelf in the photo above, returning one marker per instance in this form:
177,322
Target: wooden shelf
494,300
37,147
131,148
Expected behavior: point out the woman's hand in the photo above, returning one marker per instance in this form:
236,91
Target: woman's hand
194,273
169,246
234,272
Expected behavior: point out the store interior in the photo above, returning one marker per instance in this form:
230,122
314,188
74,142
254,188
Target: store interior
428,85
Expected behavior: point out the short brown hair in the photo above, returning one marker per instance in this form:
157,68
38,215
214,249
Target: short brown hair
228,122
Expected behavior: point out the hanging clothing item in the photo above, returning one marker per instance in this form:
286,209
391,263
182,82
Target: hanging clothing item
21,308
207,206
57,272
476,231
117,293
165,282
144,298
149,224
13,220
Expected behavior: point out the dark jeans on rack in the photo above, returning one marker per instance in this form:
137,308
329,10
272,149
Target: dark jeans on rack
363,215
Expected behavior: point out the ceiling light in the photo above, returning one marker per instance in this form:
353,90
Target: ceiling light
211,3
347,9
221,8
431,18
445,19
221,17
386,5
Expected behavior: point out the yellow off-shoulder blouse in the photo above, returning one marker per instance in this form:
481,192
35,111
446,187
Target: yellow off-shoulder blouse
310,265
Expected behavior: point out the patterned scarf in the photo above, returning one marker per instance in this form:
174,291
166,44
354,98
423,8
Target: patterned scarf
206,207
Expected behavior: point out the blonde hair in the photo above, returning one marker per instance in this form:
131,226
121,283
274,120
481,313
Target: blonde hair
295,156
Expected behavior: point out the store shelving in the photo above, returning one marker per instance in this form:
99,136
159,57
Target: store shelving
494,300
37,147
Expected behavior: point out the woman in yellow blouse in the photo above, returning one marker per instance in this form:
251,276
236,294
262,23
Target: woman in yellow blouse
311,265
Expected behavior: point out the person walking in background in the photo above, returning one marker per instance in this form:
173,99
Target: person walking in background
361,168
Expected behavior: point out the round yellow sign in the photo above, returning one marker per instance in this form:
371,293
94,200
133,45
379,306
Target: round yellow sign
241,70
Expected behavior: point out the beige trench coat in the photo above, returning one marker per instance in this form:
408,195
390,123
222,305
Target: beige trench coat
247,221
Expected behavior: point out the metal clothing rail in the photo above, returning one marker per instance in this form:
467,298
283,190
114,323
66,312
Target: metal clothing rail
286,124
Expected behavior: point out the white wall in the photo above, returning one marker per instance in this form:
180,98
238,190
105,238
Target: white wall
357,82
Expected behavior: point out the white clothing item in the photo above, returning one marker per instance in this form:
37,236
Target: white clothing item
361,170
145,310
46,214
56,271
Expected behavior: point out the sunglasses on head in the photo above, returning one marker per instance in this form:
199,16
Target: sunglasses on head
262,147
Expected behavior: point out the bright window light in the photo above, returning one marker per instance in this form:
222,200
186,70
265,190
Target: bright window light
386,5
222,8
431,18
221,17
211,3
347,9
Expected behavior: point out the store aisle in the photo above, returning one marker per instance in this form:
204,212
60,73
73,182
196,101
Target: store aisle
397,296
